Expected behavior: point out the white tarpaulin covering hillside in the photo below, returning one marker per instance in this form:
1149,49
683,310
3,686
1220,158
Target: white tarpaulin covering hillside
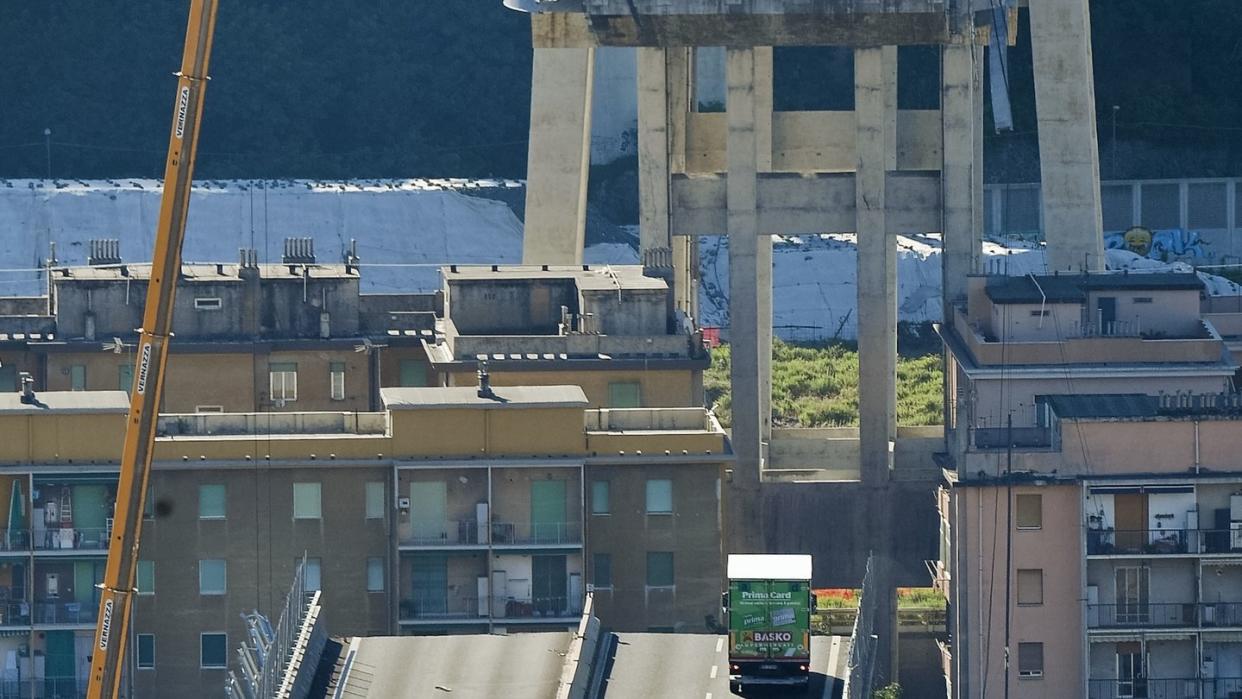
426,222
406,229
813,280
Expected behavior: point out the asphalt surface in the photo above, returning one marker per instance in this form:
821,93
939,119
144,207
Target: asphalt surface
520,666
695,666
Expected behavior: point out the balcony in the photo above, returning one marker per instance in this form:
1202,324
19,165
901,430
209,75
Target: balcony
71,539
14,612
469,533
54,611
14,541
537,534
1143,615
43,687
536,609
1162,688
1157,542
430,607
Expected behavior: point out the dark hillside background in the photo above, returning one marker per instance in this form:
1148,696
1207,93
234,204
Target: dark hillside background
323,89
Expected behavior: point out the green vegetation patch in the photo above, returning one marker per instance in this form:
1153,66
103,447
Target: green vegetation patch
817,386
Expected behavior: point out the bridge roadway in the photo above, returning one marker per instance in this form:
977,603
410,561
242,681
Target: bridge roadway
696,666
479,666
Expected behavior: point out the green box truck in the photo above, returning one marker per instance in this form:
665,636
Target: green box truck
768,607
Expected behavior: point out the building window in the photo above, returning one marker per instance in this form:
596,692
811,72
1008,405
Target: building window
125,378
413,373
1142,299
211,503
1030,660
1030,586
599,498
336,379
311,580
283,377
212,576
213,650
375,574
146,577
209,408
146,651
208,303
1030,511
625,394
1040,314
375,500
306,502
77,377
603,571
659,569
659,496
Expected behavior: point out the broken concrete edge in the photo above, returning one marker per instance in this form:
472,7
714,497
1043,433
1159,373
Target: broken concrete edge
579,659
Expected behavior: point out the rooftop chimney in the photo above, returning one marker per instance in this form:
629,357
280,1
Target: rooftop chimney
299,251
485,382
104,251
27,382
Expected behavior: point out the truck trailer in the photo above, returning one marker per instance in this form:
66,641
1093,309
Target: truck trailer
767,607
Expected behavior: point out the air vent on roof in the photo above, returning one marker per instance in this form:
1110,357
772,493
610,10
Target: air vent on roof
104,251
299,251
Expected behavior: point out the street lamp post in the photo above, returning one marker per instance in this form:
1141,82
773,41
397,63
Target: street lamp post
47,138
1116,108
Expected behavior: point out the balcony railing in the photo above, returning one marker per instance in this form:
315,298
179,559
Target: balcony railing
1149,614
431,606
453,532
65,612
1104,542
14,613
554,606
536,533
43,688
1174,688
468,532
1139,541
14,540
68,538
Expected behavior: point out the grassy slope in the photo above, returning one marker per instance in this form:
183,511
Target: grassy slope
817,386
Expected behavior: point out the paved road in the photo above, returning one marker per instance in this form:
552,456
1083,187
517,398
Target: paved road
695,666
520,666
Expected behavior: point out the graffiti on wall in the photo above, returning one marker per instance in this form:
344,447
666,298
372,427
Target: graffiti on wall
1162,245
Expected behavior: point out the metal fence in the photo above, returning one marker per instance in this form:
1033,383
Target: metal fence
263,660
861,670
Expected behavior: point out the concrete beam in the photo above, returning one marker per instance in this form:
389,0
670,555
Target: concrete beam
961,73
877,330
1068,148
559,156
791,204
575,30
653,151
744,526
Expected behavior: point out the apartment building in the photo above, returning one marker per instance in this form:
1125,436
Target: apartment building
1090,476
300,336
611,326
452,509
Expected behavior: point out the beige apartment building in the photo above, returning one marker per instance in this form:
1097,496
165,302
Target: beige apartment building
1094,540
447,511
300,335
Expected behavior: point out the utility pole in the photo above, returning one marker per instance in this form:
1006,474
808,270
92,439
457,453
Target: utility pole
47,139
1113,173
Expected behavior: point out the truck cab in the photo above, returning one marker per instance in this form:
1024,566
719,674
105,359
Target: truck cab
767,607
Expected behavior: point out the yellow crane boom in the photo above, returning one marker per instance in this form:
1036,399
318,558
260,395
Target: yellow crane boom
118,584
